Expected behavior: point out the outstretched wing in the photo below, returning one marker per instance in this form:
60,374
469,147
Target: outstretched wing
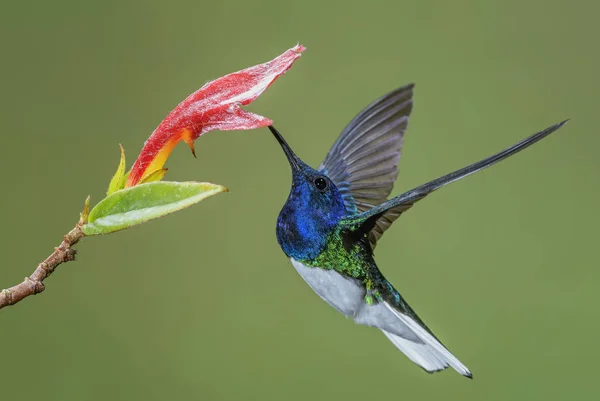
368,221
363,162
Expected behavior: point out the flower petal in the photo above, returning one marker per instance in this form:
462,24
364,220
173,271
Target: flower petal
214,106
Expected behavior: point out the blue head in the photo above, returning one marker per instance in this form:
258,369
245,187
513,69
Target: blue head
313,209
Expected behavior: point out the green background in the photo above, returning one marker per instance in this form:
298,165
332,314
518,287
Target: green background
503,266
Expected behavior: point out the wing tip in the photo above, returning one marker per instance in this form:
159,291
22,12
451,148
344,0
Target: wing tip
555,127
408,88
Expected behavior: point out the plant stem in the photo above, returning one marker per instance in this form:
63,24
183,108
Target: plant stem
34,284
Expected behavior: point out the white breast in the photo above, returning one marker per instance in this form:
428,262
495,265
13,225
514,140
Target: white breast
343,293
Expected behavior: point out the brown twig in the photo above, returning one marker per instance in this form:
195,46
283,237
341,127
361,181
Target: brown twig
34,284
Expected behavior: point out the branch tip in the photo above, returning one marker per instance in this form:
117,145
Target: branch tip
7,295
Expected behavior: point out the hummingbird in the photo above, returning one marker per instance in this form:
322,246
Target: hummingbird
334,216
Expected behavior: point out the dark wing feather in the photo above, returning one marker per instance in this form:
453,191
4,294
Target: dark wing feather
366,222
363,162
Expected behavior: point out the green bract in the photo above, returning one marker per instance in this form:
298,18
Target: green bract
138,204
118,180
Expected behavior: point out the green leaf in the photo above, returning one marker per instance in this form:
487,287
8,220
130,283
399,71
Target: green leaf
138,204
118,182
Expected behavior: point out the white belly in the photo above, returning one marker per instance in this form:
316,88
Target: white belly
343,293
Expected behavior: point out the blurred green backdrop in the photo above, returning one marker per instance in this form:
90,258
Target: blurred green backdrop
203,304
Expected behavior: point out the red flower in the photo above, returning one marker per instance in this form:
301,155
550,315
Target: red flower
214,106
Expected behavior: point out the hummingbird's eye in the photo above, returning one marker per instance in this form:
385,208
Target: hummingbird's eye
320,183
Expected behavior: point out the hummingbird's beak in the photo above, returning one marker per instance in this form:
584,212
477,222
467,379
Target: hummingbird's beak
291,156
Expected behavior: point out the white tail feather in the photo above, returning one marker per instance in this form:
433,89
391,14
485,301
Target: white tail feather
431,355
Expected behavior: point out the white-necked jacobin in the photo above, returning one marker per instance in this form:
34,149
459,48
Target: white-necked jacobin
334,216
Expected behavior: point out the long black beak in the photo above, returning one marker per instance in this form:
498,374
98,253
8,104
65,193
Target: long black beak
291,156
